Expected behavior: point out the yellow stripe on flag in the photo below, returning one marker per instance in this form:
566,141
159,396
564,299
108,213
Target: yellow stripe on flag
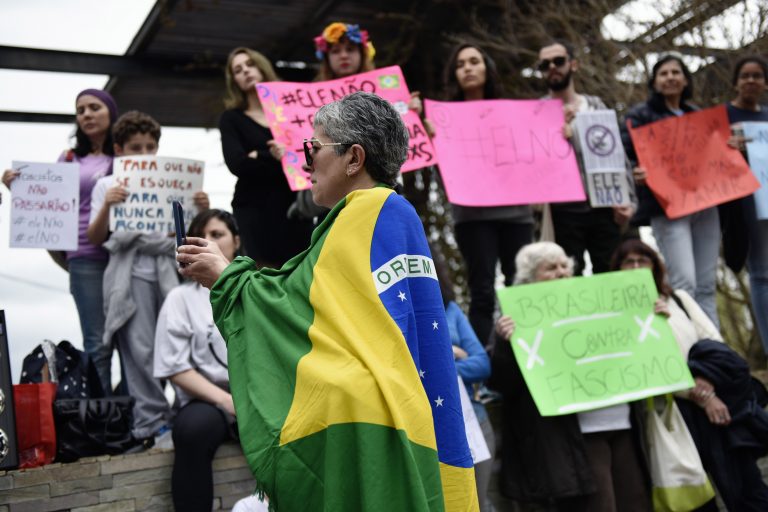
359,368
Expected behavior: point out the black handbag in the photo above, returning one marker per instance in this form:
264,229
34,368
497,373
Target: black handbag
88,427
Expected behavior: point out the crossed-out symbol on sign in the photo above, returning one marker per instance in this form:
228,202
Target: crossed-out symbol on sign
532,351
646,328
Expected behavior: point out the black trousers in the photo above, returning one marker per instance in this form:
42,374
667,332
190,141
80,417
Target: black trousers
198,431
593,231
483,244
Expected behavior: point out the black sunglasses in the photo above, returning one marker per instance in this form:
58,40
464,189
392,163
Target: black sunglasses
557,61
309,147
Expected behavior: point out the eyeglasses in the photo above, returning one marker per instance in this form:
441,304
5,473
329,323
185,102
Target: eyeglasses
309,147
557,61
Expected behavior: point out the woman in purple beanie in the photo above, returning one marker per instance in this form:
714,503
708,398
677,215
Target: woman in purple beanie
95,112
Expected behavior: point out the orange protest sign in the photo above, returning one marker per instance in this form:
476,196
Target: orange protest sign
690,167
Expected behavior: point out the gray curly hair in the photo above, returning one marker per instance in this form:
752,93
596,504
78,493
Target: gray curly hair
366,119
530,256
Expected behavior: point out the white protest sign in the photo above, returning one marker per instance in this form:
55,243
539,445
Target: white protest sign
45,205
153,183
603,157
608,189
478,448
757,151
600,141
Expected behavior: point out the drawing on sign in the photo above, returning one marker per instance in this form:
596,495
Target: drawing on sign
290,109
690,166
504,152
600,140
589,342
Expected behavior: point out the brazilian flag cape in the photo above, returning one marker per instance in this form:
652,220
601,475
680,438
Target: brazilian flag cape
341,368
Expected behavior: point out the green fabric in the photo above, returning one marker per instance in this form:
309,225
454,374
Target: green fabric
681,499
365,456
254,368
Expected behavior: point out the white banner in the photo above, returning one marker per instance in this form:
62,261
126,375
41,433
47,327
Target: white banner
153,183
45,202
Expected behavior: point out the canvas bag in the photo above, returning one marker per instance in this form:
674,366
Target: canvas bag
679,480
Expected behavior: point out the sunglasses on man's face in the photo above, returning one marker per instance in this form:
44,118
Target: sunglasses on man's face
557,61
310,149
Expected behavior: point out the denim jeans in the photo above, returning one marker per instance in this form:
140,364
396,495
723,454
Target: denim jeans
757,265
690,246
86,278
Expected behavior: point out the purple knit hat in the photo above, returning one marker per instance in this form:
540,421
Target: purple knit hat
105,98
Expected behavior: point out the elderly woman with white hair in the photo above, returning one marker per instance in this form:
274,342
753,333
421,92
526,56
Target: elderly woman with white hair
340,362
590,461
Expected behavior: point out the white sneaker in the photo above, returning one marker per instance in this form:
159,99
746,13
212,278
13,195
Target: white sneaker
251,504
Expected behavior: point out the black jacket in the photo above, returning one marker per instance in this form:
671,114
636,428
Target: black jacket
641,114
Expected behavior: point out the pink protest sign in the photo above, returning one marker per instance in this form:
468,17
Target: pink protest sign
504,152
290,108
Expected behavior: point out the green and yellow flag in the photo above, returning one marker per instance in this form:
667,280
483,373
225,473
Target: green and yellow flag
341,368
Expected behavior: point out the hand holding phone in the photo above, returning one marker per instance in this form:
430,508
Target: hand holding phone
178,221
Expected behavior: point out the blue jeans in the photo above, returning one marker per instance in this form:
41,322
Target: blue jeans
690,246
757,265
86,286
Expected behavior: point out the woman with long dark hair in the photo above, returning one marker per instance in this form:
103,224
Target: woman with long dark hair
750,81
95,113
690,244
723,411
485,235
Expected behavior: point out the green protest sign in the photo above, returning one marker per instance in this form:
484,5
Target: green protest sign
589,342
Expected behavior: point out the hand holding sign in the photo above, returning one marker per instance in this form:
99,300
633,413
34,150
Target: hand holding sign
504,152
45,205
589,342
689,164
290,108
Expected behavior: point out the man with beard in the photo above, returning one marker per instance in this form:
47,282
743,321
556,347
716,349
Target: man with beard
578,226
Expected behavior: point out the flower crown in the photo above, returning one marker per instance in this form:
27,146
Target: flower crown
333,34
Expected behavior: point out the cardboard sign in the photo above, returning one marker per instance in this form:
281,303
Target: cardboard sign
504,152
608,189
589,342
290,109
690,167
600,142
153,183
757,152
45,206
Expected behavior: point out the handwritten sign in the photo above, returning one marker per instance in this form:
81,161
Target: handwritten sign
153,183
690,167
45,205
504,152
757,151
290,108
608,189
599,139
590,342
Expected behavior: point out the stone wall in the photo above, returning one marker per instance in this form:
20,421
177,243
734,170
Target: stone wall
120,483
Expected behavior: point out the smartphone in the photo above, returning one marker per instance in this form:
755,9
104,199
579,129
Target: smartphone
178,220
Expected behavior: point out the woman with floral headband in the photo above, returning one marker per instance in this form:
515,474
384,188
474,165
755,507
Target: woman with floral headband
344,50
